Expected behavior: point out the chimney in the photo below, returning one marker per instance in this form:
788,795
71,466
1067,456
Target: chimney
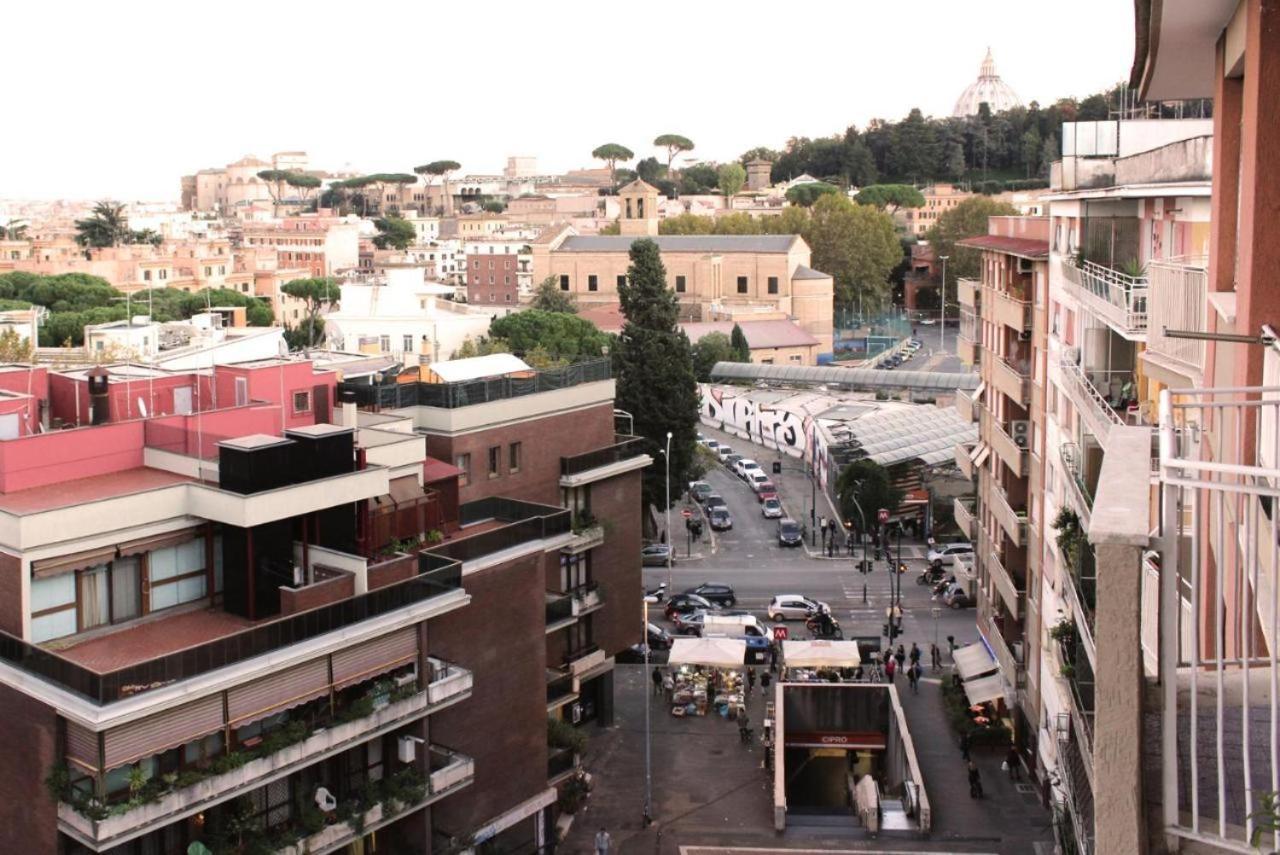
99,399
348,399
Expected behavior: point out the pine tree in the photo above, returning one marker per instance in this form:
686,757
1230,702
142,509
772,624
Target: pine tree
653,362
738,341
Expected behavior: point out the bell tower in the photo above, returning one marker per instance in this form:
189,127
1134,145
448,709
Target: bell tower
639,202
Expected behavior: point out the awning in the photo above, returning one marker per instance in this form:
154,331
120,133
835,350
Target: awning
973,660
437,470
74,561
820,654
980,455
405,489
984,689
159,541
712,652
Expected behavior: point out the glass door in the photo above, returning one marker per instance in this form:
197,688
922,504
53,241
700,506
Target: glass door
126,589
94,610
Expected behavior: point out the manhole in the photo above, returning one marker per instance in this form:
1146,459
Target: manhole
1025,789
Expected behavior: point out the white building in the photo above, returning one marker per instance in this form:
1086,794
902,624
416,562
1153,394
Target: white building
400,313
206,339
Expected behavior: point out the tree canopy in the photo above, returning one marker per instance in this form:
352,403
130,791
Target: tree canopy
562,336
805,195
730,178
394,233
965,220
674,144
316,293
549,298
738,341
612,153
866,484
707,351
890,196
438,167
653,363
106,225
857,245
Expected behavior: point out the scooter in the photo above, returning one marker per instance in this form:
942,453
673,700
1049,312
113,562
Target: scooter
658,594
930,576
941,586
822,629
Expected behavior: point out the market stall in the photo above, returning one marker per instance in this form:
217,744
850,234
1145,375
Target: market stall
706,676
983,686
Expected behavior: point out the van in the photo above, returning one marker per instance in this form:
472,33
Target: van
723,452
735,626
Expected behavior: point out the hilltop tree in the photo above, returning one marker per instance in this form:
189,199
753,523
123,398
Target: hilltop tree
441,168
965,220
549,298
654,366
381,180
890,196
611,153
730,177
805,195
394,233
857,245
304,184
14,230
276,179
738,342
106,225
674,144
317,293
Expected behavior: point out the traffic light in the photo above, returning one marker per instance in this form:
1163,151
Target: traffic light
777,467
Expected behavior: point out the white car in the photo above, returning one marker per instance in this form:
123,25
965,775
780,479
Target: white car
723,451
745,467
791,607
945,554
756,477
771,509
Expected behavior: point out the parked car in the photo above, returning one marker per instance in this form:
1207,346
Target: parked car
721,519
711,444
715,592
723,451
760,483
791,607
771,509
943,554
763,496
659,638
713,501
655,555
744,467
731,461
687,602
790,533
690,623
956,596
699,490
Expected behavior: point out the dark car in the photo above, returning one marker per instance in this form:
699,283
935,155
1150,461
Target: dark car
699,490
687,602
659,641
721,519
655,555
790,533
715,500
715,592
690,623
659,638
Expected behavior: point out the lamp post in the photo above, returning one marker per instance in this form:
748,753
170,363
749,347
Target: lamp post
942,322
670,546
648,767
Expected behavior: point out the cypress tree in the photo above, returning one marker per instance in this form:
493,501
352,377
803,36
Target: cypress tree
738,341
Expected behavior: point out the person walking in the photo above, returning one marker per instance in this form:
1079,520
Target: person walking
901,656
1011,763
764,683
657,680
935,656
964,745
604,843
773,657
913,677
975,781
915,653
890,666
668,686
751,680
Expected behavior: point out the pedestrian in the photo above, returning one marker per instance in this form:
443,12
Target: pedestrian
975,781
889,668
964,745
668,686
831,545
773,657
936,656
915,653
901,655
848,543
913,677
1011,763
751,680
657,680
764,683
951,645
603,842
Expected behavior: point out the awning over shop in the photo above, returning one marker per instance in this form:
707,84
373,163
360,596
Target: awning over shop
712,652
983,689
973,661
820,654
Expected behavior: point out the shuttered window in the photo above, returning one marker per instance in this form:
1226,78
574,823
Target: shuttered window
158,733
280,691
82,746
374,657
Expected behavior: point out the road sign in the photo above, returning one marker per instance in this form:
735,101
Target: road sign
883,515
688,514
780,633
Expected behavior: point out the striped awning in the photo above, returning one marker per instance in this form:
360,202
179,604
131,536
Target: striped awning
984,689
973,660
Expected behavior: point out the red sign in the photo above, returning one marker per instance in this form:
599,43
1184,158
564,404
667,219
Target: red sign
835,739
883,515
688,514
780,633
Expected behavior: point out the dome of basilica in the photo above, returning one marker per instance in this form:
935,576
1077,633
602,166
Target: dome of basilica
989,89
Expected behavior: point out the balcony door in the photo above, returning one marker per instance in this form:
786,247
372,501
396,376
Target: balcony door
126,588
94,597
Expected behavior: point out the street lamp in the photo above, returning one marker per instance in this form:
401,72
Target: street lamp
942,333
648,767
670,545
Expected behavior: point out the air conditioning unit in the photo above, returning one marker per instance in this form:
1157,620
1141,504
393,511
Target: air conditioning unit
1025,265
1025,335
1021,433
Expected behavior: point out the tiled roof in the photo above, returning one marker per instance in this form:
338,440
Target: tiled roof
803,272
1024,247
760,334
683,243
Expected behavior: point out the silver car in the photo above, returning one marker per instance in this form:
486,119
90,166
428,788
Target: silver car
791,607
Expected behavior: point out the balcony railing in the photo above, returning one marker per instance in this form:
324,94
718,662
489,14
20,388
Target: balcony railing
561,689
967,291
1089,400
560,764
965,519
1008,308
1011,590
1117,298
1013,522
1073,765
963,461
527,521
965,406
1012,379
1004,446
559,611
436,577
468,393
1077,489
623,448
586,598
583,659
1180,286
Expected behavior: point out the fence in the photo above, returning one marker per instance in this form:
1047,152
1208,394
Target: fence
471,392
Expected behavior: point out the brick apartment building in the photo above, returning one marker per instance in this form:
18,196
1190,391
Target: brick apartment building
492,279
233,621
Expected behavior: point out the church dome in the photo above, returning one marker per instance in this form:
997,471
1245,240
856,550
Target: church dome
988,89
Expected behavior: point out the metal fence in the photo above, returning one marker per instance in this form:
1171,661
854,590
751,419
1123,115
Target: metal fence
470,392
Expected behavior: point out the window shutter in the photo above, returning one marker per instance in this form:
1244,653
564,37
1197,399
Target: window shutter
374,657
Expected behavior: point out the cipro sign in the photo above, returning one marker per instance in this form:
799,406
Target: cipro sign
835,739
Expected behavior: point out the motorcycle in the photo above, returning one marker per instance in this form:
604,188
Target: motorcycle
820,628
930,576
940,587
657,594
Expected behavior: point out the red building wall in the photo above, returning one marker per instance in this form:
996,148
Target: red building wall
491,279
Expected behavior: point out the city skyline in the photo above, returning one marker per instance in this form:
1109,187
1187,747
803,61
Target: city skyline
315,94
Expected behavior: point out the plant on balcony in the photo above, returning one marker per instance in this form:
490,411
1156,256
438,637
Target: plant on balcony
573,793
1070,536
583,521
1068,670
1064,632
561,734
1266,819
434,536
1134,269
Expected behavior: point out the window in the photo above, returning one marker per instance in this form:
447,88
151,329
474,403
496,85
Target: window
495,455
302,402
773,284
146,276
513,456
463,462
593,282
742,284
680,280
408,343
384,343
564,282
177,574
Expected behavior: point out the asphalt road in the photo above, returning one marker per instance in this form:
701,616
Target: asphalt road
749,559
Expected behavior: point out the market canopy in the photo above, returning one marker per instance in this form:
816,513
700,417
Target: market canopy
973,661
983,689
712,652
820,654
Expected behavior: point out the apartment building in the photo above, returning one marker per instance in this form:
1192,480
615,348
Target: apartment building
938,199
234,622
324,246
1003,333
493,279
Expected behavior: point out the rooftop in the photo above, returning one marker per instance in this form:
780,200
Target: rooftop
803,272
477,367
1021,247
683,243
144,641
91,489
760,334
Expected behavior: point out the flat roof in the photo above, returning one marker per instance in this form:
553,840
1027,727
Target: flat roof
253,441
321,429
682,243
1022,247
83,490
477,367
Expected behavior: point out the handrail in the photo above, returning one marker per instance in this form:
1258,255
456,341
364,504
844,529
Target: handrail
623,448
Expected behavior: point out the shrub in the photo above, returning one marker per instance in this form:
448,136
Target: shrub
561,734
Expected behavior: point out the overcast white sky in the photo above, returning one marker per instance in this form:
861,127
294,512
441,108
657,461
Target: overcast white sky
120,99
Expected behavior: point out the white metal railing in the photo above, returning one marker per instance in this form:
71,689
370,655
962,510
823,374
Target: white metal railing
1178,287
1089,400
963,512
1012,379
1116,297
968,324
1220,723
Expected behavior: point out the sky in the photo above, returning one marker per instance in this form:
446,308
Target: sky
118,100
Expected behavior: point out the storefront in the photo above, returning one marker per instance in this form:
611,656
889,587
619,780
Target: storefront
983,686
706,676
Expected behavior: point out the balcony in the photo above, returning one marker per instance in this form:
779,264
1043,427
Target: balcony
967,291
626,454
1010,663
966,350
1091,402
965,404
1117,298
449,684
1012,380
1075,767
583,660
1011,591
1180,286
1004,446
561,764
585,538
561,689
559,611
1013,522
471,392
1078,493
965,519
964,460
1008,308
585,599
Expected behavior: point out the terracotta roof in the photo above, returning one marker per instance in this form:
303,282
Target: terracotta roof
89,489
607,317
760,335
639,185
1024,247
683,243
437,470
